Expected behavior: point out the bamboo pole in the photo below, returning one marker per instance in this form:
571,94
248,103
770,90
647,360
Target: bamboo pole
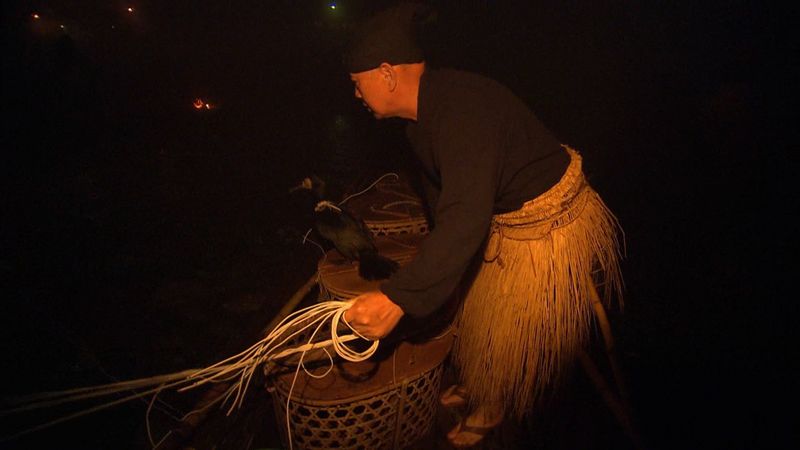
613,403
608,339
291,304
619,406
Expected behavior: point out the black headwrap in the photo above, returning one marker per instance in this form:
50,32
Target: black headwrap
388,36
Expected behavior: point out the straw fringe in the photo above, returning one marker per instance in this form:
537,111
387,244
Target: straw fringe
528,310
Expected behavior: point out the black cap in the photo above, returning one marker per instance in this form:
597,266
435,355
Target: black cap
388,36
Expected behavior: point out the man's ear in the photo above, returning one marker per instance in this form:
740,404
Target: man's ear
388,75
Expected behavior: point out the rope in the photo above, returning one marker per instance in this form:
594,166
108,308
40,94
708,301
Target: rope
326,204
401,202
396,177
240,367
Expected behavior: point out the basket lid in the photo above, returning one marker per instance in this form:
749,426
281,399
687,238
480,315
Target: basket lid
340,276
390,204
350,381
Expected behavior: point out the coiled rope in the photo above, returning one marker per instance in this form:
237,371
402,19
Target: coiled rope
238,369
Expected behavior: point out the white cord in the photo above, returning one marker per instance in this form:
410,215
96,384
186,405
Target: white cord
396,177
326,204
336,315
238,369
243,365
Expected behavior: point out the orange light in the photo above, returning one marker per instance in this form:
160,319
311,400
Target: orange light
130,10
199,103
35,16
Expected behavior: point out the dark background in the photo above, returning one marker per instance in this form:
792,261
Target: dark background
141,236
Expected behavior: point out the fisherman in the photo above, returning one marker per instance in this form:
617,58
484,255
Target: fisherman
515,226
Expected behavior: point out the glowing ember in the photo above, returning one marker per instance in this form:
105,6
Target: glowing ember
199,103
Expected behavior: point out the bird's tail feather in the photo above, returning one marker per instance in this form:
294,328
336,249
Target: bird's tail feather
373,266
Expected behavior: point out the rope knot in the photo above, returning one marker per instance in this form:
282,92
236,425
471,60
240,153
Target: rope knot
496,229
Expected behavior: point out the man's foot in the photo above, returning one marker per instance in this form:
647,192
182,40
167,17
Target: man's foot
473,428
453,397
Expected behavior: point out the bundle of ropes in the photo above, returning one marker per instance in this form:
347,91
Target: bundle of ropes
236,371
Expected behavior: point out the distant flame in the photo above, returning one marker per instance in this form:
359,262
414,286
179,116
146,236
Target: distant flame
130,10
199,103
35,16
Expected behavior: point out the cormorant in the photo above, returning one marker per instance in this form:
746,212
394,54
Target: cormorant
348,234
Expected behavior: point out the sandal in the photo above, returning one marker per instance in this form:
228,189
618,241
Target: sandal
479,430
453,397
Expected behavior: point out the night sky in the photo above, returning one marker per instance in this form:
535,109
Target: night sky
142,235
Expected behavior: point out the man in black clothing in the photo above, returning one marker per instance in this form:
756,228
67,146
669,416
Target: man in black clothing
498,183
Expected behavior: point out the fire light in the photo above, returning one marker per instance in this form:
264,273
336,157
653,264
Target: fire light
130,10
200,104
35,16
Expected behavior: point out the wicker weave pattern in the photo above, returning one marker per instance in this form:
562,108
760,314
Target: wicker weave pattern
412,225
391,208
392,418
399,412
338,278
419,408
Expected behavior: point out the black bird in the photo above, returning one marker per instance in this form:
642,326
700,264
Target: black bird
348,234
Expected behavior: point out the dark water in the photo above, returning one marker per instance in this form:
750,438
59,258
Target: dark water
141,236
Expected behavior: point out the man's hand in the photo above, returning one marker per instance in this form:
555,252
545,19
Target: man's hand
373,315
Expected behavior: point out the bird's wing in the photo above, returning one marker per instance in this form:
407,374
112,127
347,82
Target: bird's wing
362,226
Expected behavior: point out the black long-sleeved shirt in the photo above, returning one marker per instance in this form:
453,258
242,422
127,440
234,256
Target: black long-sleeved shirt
482,152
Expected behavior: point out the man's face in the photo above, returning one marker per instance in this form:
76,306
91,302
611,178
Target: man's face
372,89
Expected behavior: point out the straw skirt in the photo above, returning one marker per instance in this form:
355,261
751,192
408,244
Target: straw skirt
528,310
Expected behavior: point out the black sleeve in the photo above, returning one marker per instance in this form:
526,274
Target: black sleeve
469,165
430,194
425,187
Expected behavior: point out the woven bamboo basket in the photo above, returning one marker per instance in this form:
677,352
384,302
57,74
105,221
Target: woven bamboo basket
339,279
392,207
386,402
